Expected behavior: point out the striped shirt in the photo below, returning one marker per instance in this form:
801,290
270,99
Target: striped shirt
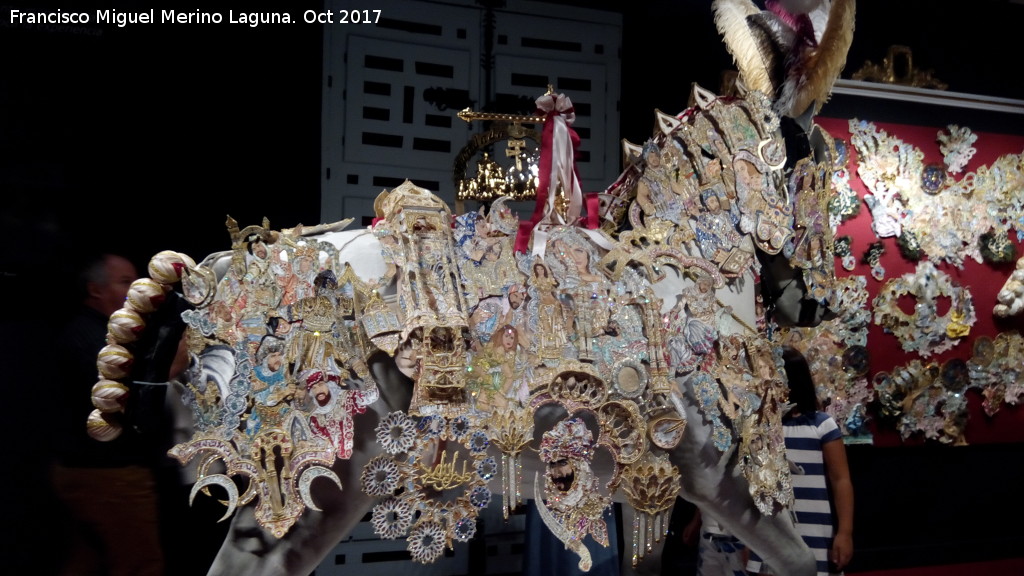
805,435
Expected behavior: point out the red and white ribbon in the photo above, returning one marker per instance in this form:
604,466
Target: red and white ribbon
559,145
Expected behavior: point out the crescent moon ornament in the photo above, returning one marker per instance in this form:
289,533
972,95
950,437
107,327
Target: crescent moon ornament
249,494
574,544
307,480
204,471
225,483
199,285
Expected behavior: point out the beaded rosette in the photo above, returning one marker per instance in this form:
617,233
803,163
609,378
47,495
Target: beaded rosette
432,481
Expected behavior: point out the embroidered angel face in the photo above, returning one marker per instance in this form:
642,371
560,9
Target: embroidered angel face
493,252
711,201
481,226
705,284
572,256
303,266
271,353
509,338
576,254
748,177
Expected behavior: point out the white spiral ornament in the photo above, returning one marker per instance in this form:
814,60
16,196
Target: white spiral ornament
1010,299
146,295
114,362
102,428
168,266
125,326
109,396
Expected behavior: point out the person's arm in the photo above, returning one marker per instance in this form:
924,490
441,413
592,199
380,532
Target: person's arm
838,471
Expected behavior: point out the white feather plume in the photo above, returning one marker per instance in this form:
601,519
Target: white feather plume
744,43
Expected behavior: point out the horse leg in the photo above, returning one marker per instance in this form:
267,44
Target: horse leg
713,482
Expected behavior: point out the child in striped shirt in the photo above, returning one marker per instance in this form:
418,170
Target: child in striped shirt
822,490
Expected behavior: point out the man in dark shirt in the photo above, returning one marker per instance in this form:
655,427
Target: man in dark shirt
108,488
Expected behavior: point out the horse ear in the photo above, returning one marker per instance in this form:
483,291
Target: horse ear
821,145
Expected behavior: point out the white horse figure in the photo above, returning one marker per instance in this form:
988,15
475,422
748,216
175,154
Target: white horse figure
318,304
339,372
711,477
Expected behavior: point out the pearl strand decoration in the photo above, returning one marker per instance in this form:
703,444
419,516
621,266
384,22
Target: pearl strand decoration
114,361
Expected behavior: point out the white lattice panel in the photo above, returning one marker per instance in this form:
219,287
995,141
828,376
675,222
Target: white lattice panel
577,52
386,114
378,128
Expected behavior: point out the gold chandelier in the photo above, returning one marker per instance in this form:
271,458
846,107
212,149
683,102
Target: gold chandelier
490,180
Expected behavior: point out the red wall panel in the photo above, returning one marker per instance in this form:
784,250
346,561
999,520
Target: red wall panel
984,280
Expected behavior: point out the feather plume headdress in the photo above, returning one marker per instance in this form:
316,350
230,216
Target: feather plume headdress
791,51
